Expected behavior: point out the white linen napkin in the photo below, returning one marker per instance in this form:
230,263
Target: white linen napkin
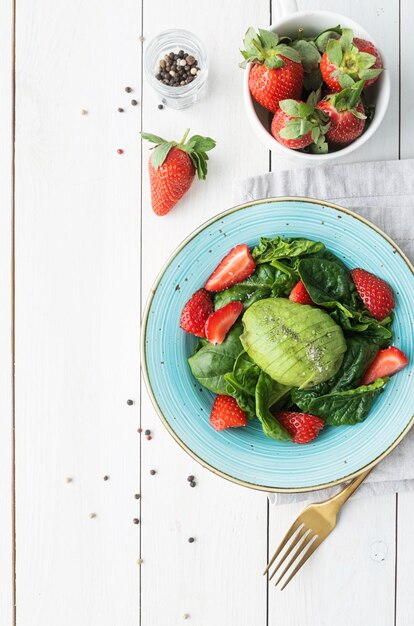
383,192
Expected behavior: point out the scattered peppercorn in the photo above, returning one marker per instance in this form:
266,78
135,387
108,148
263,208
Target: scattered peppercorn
140,561
191,540
120,110
141,38
147,432
148,437
190,478
186,615
139,430
135,520
84,112
120,151
92,515
160,106
68,479
130,402
177,69
152,472
106,477
134,103
137,496
193,483
128,89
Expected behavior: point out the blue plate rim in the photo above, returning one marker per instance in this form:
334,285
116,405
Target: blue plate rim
366,468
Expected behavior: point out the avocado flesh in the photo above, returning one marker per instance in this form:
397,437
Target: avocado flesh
296,344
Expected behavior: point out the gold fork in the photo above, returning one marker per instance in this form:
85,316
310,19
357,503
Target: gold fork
309,530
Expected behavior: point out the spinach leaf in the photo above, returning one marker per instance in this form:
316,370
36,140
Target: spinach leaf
343,407
273,249
209,363
266,282
358,357
241,383
378,333
328,283
267,393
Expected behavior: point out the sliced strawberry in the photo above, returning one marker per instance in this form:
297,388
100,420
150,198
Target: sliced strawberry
226,413
196,312
220,322
386,363
236,266
374,292
299,294
302,426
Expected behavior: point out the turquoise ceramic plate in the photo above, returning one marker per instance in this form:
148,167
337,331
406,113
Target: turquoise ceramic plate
245,455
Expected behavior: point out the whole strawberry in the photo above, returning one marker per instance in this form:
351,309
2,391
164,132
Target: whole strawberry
172,167
303,427
375,293
346,114
348,59
277,72
297,124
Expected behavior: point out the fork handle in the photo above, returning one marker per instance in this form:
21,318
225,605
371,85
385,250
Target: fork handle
340,498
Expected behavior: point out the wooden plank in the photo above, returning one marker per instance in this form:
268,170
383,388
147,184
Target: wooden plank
404,609
77,312
380,19
362,547
6,333
216,579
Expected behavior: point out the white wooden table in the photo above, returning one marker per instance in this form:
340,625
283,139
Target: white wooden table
79,249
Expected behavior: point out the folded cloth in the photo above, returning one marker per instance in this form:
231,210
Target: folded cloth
383,192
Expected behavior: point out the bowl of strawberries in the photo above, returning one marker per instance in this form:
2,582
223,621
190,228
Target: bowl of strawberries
315,85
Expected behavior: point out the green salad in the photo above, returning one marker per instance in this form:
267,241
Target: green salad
301,335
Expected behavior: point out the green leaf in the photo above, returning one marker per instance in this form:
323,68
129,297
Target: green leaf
315,134
334,52
248,40
266,282
274,63
266,394
321,147
210,363
346,39
368,74
292,130
288,52
200,144
322,39
354,321
290,107
313,99
271,249
328,283
268,39
345,80
160,153
304,110
343,407
241,383
366,60
309,54
313,81
153,138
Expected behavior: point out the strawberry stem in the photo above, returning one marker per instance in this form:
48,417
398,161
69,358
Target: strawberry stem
184,137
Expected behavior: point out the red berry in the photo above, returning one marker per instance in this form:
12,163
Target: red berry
345,126
226,413
236,266
375,293
220,322
302,426
120,151
299,294
279,122
351,64
269,86
196,312
386,363
170,181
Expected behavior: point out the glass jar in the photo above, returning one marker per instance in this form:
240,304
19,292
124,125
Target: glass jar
174,40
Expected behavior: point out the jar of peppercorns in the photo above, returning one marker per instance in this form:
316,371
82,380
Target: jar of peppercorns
176,66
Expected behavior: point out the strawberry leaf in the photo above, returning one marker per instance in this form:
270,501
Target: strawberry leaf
274,63
291,130
313,81
160,153
290,107
288,52
366,60
322,39
268,39
304,109
249,37
346,39
305,127
199,144
334,52
153,138
320,147
345,80
367,74
309,54
316,133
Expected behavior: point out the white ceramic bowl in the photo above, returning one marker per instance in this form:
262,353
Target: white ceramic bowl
313,22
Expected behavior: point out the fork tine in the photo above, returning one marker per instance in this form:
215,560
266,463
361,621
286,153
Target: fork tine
303,560
306,540
296,524
294,542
